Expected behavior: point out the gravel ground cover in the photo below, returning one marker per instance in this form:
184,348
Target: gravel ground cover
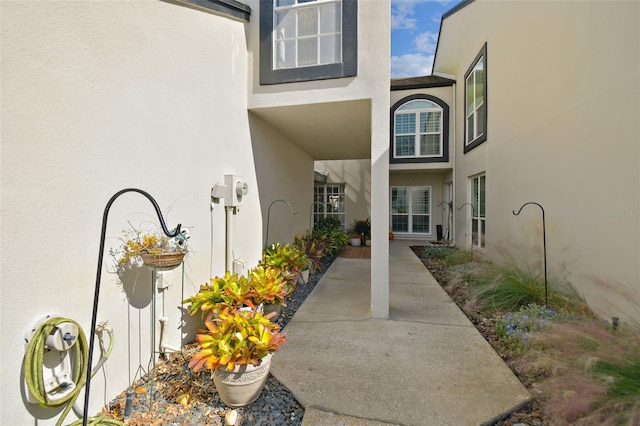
173,394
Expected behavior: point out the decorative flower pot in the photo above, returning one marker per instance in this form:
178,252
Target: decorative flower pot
302,277
242,386
355,242
368,243
163,261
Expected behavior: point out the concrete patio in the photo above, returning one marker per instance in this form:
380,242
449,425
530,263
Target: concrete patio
426,365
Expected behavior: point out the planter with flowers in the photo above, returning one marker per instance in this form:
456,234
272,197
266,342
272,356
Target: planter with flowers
153,249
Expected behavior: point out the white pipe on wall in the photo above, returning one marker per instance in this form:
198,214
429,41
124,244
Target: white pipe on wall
229,238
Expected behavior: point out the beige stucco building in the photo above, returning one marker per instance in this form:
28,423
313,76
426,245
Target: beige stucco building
168,97
528,101
543,102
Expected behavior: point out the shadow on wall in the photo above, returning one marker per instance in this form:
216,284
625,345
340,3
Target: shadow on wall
356,174
283,172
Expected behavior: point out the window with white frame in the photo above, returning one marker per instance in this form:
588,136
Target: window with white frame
411,209
307,33
329,202
418,130
476,101
478,220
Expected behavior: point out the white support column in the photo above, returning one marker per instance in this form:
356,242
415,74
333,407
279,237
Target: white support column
380,208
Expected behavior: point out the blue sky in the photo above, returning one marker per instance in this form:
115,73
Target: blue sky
414,34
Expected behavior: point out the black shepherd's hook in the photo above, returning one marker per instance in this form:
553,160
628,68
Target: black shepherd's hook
544,247
99,274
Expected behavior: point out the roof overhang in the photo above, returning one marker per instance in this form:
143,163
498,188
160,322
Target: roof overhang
325,131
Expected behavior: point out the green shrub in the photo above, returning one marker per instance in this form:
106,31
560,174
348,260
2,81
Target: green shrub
458,257
437,253
622,379
509,286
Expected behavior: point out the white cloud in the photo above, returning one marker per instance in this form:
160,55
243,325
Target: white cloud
401,15
426,42
411,65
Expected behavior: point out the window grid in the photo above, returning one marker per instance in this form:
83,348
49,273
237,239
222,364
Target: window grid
427,140
411,209
329,200
307,33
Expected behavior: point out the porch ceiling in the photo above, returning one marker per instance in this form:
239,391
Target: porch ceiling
325,131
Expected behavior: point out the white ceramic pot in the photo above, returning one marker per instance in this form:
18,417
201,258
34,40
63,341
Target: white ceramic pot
242,386
355,242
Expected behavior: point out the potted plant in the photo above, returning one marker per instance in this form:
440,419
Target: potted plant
361,227
151,248
288,259
315,249
237,347
229,291
269,288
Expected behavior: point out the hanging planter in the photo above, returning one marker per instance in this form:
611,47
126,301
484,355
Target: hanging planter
163,261
152,249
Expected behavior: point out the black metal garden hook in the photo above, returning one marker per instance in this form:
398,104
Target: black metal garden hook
266,238
96,296
544,248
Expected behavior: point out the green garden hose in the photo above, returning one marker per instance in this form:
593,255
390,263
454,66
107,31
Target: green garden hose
34,363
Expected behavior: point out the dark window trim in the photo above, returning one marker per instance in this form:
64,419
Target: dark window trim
231,8
445,131
348,67
480,139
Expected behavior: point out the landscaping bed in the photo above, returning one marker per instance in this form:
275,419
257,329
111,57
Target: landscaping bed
579,370
173,394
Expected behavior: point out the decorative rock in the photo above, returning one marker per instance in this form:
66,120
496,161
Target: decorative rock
231,418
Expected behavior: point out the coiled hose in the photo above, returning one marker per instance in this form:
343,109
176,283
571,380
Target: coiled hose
34,367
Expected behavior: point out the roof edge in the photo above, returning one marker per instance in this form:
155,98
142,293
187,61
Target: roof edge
454,9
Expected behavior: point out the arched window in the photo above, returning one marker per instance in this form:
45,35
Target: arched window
419,130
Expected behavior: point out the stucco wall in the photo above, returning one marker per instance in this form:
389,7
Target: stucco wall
562,130
284,172
100,96
364,97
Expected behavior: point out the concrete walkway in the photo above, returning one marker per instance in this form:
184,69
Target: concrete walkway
427,365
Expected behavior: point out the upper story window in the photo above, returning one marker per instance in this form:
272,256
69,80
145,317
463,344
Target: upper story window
476,101
307,33
419,130
303,40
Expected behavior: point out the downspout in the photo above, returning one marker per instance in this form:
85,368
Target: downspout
453,160
229,238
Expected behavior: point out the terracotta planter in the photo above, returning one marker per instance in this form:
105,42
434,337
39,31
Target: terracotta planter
242,386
